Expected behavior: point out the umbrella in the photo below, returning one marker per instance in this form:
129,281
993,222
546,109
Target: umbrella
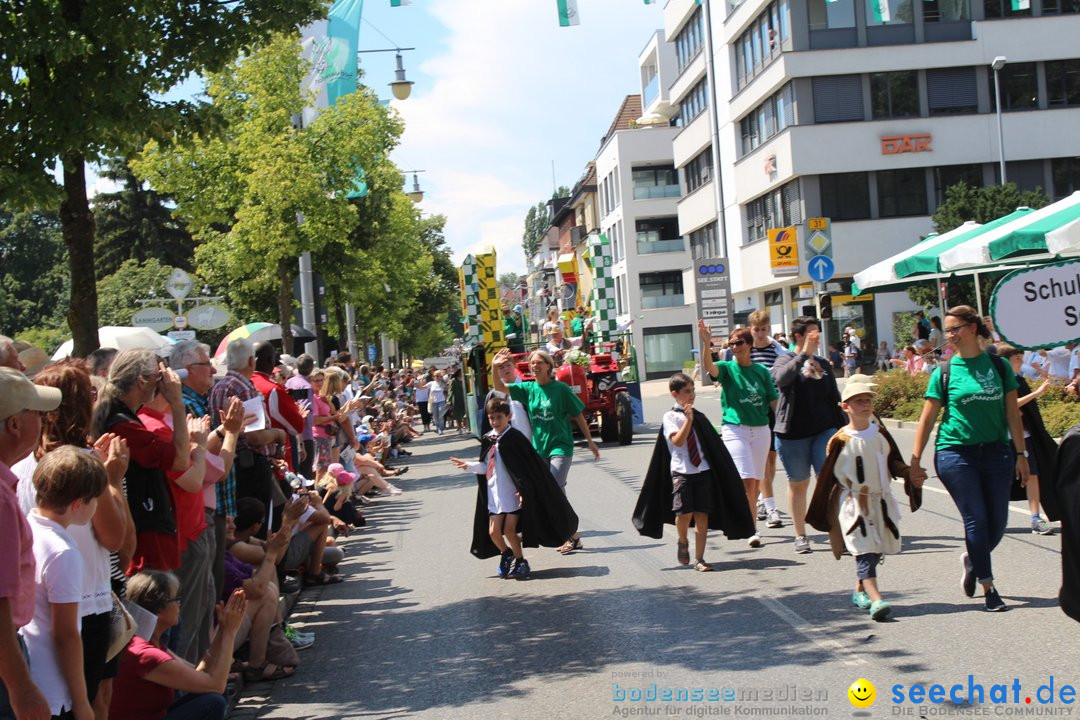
1065,240
262,332
1014,240
883,274
121,338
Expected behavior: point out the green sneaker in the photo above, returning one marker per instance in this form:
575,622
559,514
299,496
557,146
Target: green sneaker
860,600
879,610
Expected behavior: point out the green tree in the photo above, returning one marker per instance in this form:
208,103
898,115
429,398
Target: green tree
430,328
121,291
981,204
537,222
82,81
34,284
262,192
137,223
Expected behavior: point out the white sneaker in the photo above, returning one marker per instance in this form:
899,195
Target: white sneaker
754,541
761,512
1041,527
802,545
393,489
774,520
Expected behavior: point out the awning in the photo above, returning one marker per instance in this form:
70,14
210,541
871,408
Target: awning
1024,236
883,274
929,261
1065,240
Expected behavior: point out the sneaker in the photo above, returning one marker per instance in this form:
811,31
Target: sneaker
761,512
297,639
754,541
802,545
521,569
879,610
774,520
967,579
861,600
505,562
290,585
1041,527
994,603
363,500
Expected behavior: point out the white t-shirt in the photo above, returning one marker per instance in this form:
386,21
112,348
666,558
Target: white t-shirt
422,393
1059,358
680,456
59,579
438,391
97,590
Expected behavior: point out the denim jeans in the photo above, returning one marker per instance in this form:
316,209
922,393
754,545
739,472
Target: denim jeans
198,706
799,455
439,415
978,478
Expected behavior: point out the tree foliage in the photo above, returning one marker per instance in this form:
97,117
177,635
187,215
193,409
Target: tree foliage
34,283
430,328
82,82
137,223
121,291
537,222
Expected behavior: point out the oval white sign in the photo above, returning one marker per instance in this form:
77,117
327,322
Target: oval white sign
155,318
207,317
1039,307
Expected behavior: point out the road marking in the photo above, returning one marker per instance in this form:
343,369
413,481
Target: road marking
940,491
817,635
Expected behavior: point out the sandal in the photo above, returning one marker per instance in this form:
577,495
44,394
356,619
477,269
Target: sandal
265,674
571,545
323,578
684,552
702,566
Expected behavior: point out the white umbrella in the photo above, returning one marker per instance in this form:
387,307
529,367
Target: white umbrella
1065,240
884,272
121,338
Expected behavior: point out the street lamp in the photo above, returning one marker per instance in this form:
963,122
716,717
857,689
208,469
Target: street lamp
401,87
416,195
996,65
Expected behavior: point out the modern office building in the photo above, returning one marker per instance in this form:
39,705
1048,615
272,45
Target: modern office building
862,111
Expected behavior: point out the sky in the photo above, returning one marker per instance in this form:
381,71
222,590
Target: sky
501,92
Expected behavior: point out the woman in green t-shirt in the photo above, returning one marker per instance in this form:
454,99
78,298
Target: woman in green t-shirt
551,406
748,394
973,456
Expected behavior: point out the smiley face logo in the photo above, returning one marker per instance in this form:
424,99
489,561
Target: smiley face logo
862,693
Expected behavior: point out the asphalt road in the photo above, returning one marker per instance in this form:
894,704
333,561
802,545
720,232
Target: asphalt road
422,629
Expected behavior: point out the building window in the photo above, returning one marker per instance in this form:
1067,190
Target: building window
703,242
1066,174
761,43
661,289
698,171
888,12
1056,7
1063,82
838,98
1007,8
689,40
658,235
947,176
767,119
1019,87
620,305
845,196
1025,174
776,209
952,91
946,10
655,182
826,15
695,103
894,94
902,192
667,349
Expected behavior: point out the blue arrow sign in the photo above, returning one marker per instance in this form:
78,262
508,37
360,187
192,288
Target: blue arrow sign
820,268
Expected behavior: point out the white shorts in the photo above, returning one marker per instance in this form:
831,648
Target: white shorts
748,446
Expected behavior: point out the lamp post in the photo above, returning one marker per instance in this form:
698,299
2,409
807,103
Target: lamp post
416,194
401,87
996,65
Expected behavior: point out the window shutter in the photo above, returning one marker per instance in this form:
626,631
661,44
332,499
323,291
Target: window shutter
792,204
951,88
838,98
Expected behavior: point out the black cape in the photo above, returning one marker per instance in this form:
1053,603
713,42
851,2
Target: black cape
1045,450
1068,496
546,516
731,512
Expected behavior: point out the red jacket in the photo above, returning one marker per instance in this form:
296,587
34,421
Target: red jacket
283,410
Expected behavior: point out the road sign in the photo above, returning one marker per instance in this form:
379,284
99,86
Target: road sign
182,334
820,268
783,251
818,237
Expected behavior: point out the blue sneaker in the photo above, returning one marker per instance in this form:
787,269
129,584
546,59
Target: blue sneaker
879,610
861,600
521,569
505,562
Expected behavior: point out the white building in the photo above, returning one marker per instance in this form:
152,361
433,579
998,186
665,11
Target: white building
862,111
637,192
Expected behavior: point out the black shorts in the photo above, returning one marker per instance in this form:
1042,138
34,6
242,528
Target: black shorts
1033,464
691,493
772,430
95,642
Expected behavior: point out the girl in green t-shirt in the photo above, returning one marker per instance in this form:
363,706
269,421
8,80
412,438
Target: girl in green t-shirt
748,394
973,456
551,406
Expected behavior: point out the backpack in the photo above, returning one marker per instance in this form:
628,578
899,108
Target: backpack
997,362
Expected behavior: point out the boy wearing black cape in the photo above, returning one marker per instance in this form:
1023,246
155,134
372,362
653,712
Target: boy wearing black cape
691,476
515,493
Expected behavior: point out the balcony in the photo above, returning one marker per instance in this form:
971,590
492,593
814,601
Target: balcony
654,192
654,302
650,92
650,247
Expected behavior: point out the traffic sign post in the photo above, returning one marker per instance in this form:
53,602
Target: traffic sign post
820,268
817,246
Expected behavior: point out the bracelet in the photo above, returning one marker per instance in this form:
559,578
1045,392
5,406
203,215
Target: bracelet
220,432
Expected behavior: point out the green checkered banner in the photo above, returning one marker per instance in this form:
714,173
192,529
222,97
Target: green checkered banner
470,299
603,295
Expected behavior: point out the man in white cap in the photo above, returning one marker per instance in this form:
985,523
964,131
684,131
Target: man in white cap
21,406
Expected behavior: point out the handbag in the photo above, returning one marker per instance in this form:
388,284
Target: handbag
121,628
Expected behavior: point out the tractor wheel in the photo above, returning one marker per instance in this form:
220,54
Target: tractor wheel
609,429
624,412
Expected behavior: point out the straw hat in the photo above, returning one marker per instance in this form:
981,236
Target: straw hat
858,385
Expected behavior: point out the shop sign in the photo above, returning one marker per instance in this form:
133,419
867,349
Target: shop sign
1050,293
897,144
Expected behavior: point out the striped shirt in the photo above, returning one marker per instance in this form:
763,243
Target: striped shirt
764,356
197,406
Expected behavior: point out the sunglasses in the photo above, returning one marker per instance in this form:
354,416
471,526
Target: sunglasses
736,343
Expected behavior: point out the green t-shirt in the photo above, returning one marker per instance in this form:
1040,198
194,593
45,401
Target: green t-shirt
747,392
976,411
550,408
576,326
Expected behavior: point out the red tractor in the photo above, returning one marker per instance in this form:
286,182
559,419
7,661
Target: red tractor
605,396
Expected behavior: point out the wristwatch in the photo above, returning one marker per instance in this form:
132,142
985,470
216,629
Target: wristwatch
220,432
